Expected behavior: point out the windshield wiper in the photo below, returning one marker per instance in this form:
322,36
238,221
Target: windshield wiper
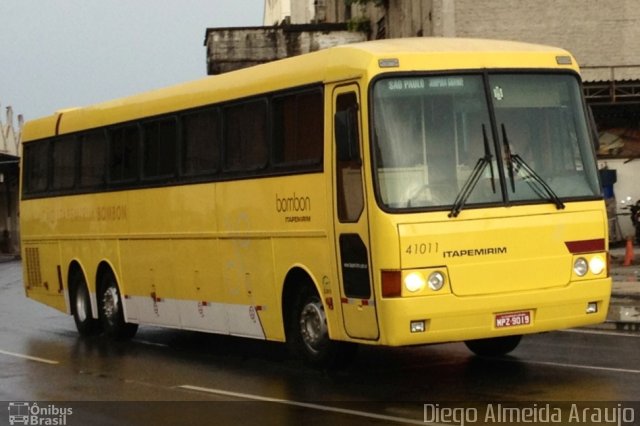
474,177
509,157
530,176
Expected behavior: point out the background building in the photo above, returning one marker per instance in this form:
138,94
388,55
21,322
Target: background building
9,178
230,49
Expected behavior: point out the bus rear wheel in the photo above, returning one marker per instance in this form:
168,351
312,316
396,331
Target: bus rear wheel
81,307
111,312
495,346
308,334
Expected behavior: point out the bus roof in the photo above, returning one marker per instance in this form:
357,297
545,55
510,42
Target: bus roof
443,44
339,63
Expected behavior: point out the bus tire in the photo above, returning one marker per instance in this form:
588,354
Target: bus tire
111,312
308,334
81,306
495,346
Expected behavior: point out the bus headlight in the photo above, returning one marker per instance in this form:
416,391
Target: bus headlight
417,282
597,265
436,280
414,282
580,267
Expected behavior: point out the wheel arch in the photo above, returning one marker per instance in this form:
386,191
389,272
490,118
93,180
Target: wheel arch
330,353
75,267
296,279
104,267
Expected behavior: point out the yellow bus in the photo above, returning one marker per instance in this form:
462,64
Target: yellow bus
395,192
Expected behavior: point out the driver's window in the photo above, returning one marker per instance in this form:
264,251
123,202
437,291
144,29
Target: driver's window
349,172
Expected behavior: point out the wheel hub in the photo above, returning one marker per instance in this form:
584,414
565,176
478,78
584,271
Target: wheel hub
313,326
110,304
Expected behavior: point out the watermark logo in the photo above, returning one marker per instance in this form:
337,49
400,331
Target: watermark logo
615,414
32,414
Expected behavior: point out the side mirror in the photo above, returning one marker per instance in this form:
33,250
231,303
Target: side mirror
346,134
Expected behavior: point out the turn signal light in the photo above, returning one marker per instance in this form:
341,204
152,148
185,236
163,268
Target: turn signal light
391,283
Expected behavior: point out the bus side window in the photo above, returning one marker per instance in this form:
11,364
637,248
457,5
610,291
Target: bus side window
124,154
36,165
201,148
245,143
159,148
298,130
64,163
93,155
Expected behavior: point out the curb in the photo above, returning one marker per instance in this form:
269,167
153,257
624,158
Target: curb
4,258
624,310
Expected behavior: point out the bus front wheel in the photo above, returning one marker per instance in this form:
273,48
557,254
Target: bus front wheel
308,334
495,346
81,306
111,312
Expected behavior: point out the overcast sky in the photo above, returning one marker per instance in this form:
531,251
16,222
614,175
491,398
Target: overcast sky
57,54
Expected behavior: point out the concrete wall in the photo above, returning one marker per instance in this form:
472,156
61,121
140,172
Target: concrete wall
276,11
303,12
293,12
604,35
234,48
10,134
402,18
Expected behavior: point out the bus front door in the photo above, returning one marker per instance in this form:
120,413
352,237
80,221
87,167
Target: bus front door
352,234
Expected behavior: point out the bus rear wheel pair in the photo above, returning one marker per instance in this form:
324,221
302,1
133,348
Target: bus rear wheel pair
110,313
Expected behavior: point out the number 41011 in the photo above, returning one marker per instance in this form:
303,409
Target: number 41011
421,248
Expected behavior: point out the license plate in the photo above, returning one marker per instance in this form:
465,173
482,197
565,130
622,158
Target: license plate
513,319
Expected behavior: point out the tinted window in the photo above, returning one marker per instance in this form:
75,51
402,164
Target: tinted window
298,129
246,136
201,136
273,134
93,159
123,158
64,162
160,138
36,156
349,172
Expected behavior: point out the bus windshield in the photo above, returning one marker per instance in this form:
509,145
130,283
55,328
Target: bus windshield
444,141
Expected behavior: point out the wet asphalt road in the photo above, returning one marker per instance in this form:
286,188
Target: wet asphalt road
208,379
